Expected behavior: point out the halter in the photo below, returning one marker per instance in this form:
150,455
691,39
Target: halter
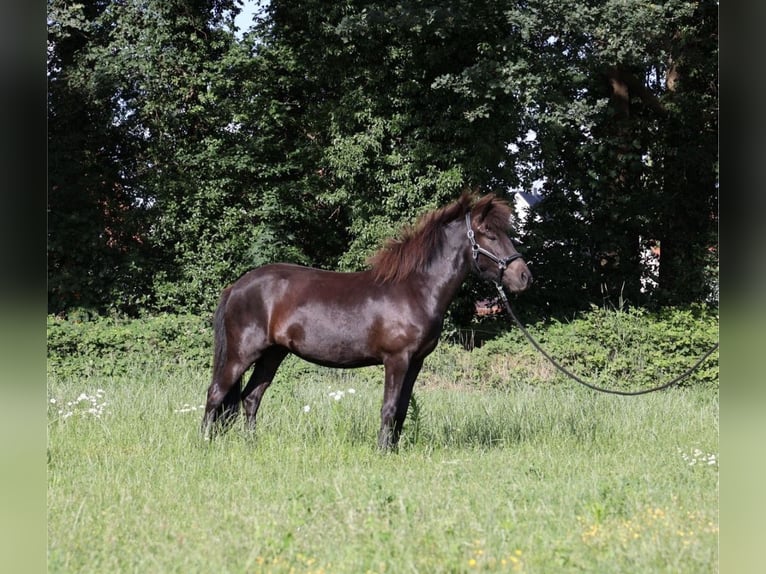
476,249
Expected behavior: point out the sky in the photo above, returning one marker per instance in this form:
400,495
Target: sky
245,18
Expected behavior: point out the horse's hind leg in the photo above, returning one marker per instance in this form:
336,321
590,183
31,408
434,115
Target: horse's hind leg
229,409
223,396
263,373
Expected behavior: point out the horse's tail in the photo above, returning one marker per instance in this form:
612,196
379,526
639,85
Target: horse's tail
219,337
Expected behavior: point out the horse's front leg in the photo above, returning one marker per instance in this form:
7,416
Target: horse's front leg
400,378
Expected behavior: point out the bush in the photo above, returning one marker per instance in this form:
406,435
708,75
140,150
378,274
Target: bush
623,349
108,345
628,349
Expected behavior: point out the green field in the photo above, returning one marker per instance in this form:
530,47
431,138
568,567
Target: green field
510,477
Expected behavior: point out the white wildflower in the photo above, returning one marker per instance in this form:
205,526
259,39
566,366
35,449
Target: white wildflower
83,405
697,456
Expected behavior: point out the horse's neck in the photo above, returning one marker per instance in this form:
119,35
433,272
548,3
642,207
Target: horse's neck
447,271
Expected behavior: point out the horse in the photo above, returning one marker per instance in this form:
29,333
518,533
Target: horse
391,313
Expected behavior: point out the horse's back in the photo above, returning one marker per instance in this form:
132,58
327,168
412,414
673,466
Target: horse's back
285,292
280,280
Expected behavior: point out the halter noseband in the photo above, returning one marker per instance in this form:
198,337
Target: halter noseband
476,249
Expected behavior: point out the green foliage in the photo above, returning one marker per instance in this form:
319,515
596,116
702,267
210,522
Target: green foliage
621,349
598,82
84,343
181,154
626,350
138,106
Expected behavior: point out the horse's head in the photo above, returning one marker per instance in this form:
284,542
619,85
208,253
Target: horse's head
494,256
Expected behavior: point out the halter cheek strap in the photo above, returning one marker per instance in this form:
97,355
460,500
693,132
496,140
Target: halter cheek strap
476,249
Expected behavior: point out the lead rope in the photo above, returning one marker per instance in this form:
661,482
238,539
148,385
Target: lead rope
571,375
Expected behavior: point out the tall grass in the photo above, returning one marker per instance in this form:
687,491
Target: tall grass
489,477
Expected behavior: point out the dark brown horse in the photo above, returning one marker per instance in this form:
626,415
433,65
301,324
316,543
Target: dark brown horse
391,314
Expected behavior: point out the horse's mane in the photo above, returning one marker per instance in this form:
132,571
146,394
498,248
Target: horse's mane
418,244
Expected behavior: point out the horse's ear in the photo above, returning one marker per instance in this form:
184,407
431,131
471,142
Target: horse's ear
485,210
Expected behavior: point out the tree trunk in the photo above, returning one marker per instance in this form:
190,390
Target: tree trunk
615,227
688,204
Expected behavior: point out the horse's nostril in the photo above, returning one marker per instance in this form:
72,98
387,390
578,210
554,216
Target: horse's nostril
526,278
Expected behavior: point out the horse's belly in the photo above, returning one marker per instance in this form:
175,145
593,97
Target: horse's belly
335,344
337,354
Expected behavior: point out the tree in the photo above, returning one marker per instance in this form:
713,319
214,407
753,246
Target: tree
95,241
688,150
607,124
181,155
140,90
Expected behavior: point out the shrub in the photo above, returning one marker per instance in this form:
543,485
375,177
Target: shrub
622,349
627,349
109,345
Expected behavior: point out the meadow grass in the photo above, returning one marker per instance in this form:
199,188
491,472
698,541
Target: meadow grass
526,478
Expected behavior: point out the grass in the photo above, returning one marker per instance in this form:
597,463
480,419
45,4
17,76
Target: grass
521,478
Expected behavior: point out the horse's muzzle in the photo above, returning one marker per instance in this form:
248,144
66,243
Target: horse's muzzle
517,277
